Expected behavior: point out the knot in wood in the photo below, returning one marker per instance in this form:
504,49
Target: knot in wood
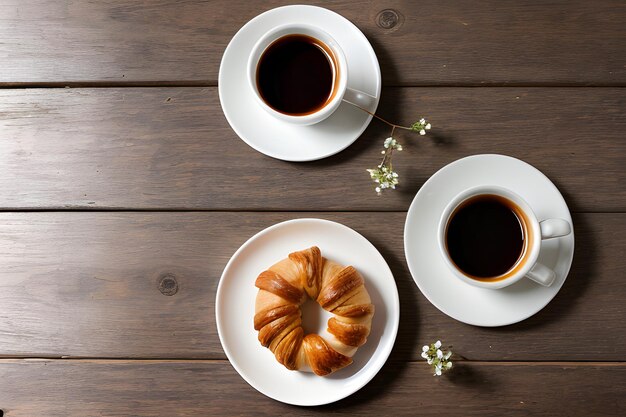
168,285
387,19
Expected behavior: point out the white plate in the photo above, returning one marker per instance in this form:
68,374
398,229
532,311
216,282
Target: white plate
282,140
234,311
462,301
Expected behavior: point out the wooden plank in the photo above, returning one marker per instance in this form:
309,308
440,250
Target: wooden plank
172,148
432,42
87,285
199,388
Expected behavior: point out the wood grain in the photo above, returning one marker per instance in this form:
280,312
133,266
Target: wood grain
87,285
155,148
134,292
431,42
201,388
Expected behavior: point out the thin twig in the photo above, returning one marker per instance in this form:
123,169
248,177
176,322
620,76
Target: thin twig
378,117
384,176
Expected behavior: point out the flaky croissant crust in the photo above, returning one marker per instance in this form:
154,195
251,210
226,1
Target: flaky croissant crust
338,289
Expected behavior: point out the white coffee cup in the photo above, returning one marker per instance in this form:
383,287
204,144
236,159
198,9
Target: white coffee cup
340,91
534,232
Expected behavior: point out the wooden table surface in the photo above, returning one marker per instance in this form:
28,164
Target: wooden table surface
119,175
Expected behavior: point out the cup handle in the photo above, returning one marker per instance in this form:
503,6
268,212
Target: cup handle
360,99
541,274
550,228
554,228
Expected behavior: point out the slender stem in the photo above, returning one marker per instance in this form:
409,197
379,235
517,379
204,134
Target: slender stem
393,125
382,163
388,151
393,129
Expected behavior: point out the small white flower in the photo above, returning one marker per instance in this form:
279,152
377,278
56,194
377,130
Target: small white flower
377,190
422,132
422,120
436,357
399,147
427,127
382,152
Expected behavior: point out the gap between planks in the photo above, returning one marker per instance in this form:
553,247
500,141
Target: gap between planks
86,209
16,359
204,84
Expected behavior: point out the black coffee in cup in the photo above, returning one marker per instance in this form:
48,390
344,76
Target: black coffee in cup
486,236
296,75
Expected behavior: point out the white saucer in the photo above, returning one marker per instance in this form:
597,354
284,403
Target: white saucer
462,301
234,311
281,140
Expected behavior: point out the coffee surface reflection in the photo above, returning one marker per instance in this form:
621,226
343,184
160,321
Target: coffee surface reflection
296,75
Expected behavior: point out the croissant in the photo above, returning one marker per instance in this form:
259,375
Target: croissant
337,289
